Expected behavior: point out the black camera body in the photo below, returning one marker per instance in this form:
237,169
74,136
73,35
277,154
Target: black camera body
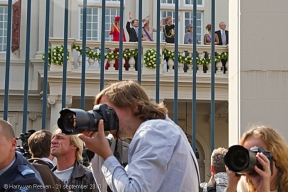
241,160
74,121
24,149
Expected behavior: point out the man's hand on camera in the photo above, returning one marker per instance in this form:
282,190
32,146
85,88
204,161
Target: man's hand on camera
97,142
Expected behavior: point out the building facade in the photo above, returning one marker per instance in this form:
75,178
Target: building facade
94,24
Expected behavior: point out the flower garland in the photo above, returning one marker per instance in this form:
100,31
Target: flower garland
58,55
150,58
93,55
55,56
49,56
130,53
168,54
111,56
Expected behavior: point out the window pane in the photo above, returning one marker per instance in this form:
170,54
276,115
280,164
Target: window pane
92,24
3,27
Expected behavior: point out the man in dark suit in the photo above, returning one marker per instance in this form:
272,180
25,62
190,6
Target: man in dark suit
223,36
133,32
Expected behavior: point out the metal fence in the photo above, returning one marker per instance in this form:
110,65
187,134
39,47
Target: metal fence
102,78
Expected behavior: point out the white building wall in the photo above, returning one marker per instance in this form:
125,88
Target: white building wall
258,76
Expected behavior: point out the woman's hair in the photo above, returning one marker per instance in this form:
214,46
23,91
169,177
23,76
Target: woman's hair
129,94
208,27
276,146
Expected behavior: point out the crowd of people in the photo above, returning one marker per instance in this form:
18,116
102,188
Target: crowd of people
160,158
132,28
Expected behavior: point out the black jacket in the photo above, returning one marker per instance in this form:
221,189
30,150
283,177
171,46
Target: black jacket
21,176
81,176
220,37
132,33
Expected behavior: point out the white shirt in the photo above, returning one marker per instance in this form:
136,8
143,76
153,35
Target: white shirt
64,175
160,159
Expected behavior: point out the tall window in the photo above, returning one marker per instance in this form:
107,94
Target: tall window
109,19
92,24
199,26
3,27
190,2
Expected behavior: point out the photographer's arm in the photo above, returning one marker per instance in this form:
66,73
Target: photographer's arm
150,153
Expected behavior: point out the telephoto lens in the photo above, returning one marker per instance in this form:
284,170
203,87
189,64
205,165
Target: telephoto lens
241,160
74,121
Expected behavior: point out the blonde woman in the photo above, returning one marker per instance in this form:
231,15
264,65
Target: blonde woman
263,181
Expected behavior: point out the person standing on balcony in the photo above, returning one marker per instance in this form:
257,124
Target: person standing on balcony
223,40
222,34
169,33
115,32
147,30
133,33
208,36
169,29
188,37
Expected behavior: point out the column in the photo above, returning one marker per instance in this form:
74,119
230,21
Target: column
55,103
41,29
258,70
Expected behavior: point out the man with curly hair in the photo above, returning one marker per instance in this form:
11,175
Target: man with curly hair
218,181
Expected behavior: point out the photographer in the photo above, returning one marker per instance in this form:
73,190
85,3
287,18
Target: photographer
263,180
160,157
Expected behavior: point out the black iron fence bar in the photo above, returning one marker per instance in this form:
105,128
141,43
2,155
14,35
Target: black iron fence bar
45,77
27,65
84,37
8,54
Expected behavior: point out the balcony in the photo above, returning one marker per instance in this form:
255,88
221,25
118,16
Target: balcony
148,75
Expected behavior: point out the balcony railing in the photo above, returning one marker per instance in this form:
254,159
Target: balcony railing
74,62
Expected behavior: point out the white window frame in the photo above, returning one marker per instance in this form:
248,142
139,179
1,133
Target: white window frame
191,4
98,26
169,4
3,37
